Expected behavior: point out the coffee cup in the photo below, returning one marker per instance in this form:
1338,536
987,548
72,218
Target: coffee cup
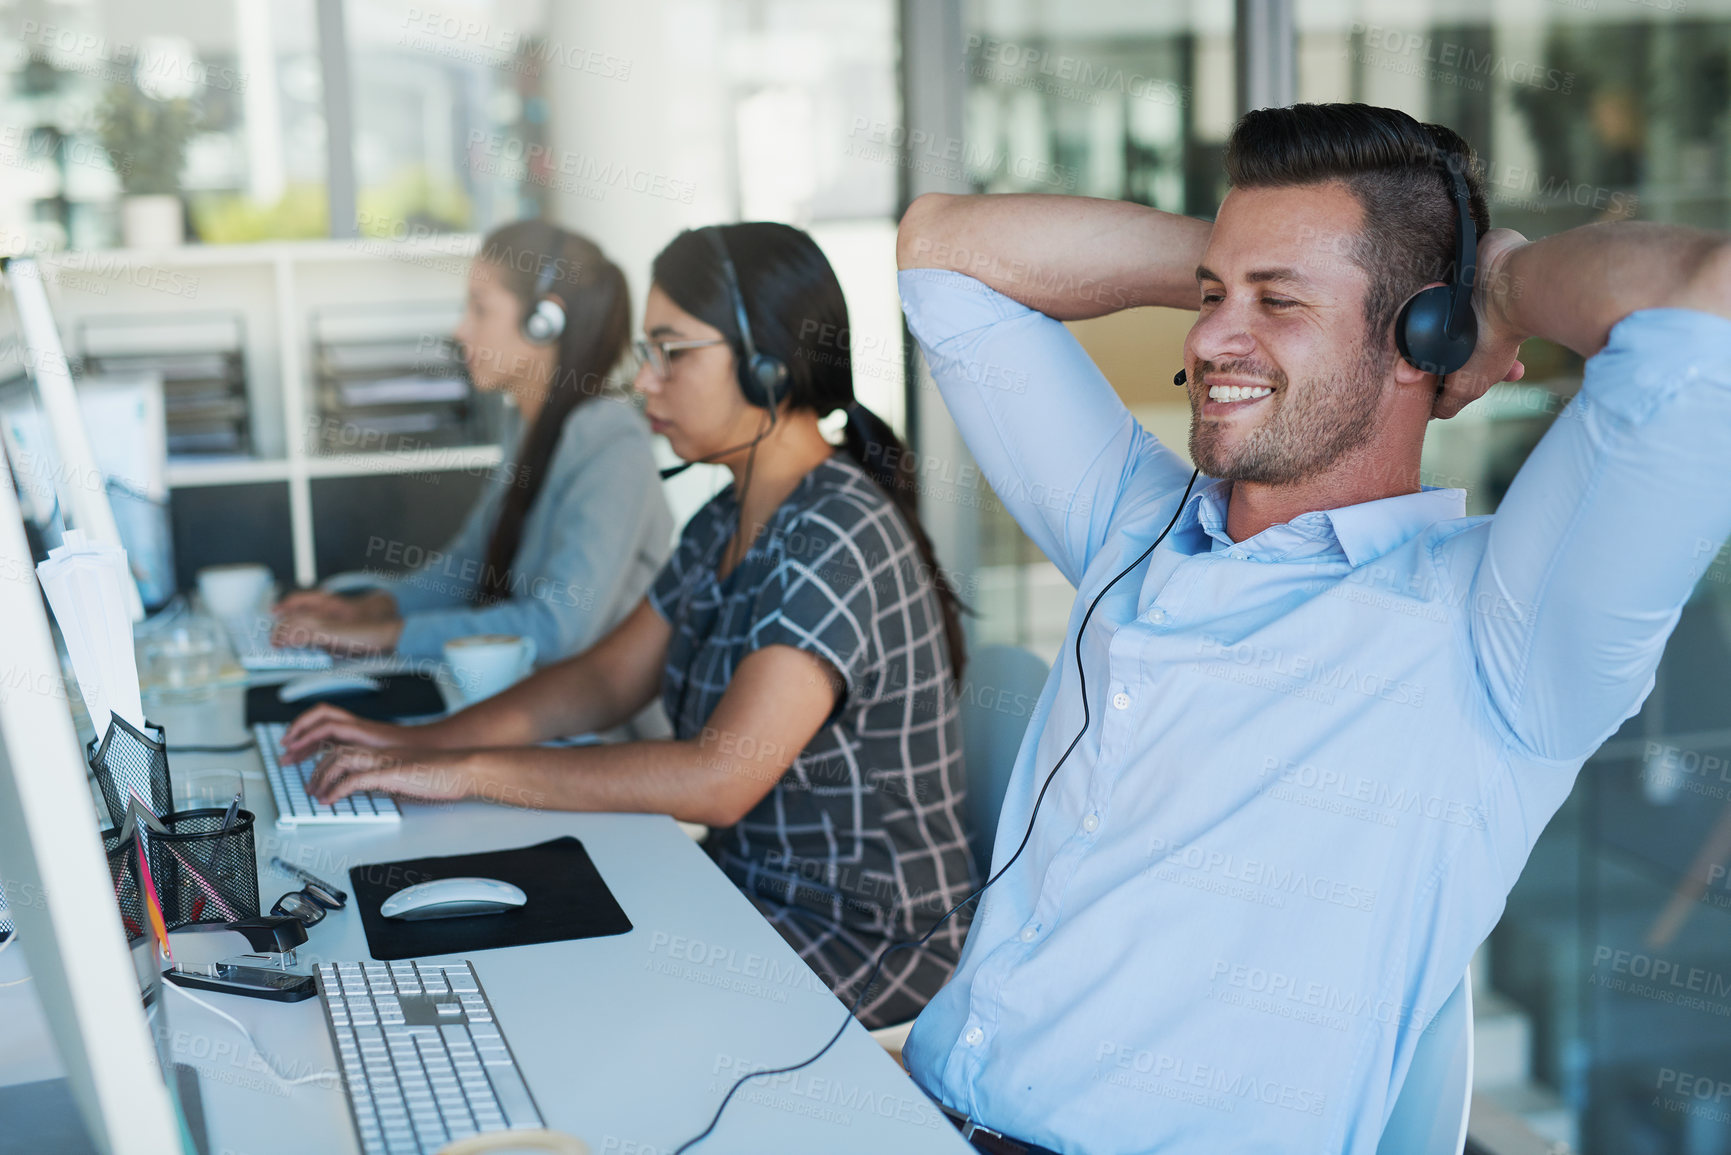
483,664
235,591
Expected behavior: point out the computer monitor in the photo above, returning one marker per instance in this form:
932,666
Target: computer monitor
25,439
83,971
79,485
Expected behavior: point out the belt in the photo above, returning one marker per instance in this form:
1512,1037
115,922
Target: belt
990,1141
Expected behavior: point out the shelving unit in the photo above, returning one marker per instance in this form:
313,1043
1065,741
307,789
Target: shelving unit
276,286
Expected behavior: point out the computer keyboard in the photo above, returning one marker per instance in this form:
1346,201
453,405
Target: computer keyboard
288,785
424,1062
252,648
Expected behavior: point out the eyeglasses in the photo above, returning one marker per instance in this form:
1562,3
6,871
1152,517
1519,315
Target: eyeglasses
658,354
309,903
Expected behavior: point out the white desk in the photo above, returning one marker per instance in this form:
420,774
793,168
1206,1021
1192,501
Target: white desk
628,1042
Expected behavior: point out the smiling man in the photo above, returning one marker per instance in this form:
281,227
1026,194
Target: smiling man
1315,731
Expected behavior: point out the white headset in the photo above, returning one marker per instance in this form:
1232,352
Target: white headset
545,321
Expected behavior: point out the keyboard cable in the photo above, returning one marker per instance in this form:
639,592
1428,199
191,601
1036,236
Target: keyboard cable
330,1075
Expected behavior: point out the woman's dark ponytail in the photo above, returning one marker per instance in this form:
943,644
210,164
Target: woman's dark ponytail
877,450
597,330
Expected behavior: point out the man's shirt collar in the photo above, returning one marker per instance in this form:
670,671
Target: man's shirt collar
1361,533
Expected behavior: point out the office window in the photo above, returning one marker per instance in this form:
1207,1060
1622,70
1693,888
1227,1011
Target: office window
449,113
216,102
223,106
1108,100
813,87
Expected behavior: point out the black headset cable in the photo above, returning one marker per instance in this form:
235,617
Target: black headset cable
865,987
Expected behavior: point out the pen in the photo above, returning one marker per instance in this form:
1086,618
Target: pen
216,847
306,876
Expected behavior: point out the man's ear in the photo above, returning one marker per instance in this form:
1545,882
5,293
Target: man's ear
1405,373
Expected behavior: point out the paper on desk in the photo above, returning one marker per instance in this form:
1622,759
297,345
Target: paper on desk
83,581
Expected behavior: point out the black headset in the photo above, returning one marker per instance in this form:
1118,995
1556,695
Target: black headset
762,378
1437,329
544,323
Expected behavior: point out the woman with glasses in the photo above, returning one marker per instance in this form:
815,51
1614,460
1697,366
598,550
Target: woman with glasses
802,638
568,532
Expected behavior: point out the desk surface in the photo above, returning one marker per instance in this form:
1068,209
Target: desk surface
628,1042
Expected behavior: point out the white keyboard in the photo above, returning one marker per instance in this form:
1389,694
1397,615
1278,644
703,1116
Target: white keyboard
424,1063
252,648
288,785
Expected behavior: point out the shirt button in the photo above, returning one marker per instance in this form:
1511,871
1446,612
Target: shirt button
1121,700
1156,615
1091,823
1237,554
1029,934
975,1037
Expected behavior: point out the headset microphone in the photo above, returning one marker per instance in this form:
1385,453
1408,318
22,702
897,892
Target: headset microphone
1179,378
762,378
676,470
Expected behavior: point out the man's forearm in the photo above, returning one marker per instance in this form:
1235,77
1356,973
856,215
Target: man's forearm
1069,257
1571,288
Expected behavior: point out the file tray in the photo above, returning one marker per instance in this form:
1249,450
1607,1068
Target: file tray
128,761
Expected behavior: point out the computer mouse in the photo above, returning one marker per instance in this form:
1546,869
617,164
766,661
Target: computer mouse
326,685
452,898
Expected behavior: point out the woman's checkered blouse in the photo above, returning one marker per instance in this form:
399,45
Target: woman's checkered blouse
862,840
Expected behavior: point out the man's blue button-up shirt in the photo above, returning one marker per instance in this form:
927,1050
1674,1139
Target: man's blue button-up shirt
1316,759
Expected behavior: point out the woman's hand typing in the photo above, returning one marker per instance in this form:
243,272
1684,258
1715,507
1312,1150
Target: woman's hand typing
325,723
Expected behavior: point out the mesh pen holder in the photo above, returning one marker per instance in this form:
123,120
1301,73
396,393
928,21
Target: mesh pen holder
202,873
127,760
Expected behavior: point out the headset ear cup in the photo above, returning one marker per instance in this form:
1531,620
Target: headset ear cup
545,322
1421,333
769,377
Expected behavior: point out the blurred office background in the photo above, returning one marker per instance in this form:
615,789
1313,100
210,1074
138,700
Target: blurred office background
272,203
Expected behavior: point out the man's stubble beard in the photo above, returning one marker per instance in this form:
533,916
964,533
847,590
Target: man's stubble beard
1307,432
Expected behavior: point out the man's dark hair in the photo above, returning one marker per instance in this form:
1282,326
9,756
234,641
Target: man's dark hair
1393,164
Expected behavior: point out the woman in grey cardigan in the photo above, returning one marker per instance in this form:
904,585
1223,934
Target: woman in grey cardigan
565,538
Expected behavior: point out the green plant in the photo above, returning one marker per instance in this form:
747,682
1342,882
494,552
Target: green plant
146,137
233,218
412,198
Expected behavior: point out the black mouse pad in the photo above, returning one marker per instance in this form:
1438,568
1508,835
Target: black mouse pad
403,696
566,899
